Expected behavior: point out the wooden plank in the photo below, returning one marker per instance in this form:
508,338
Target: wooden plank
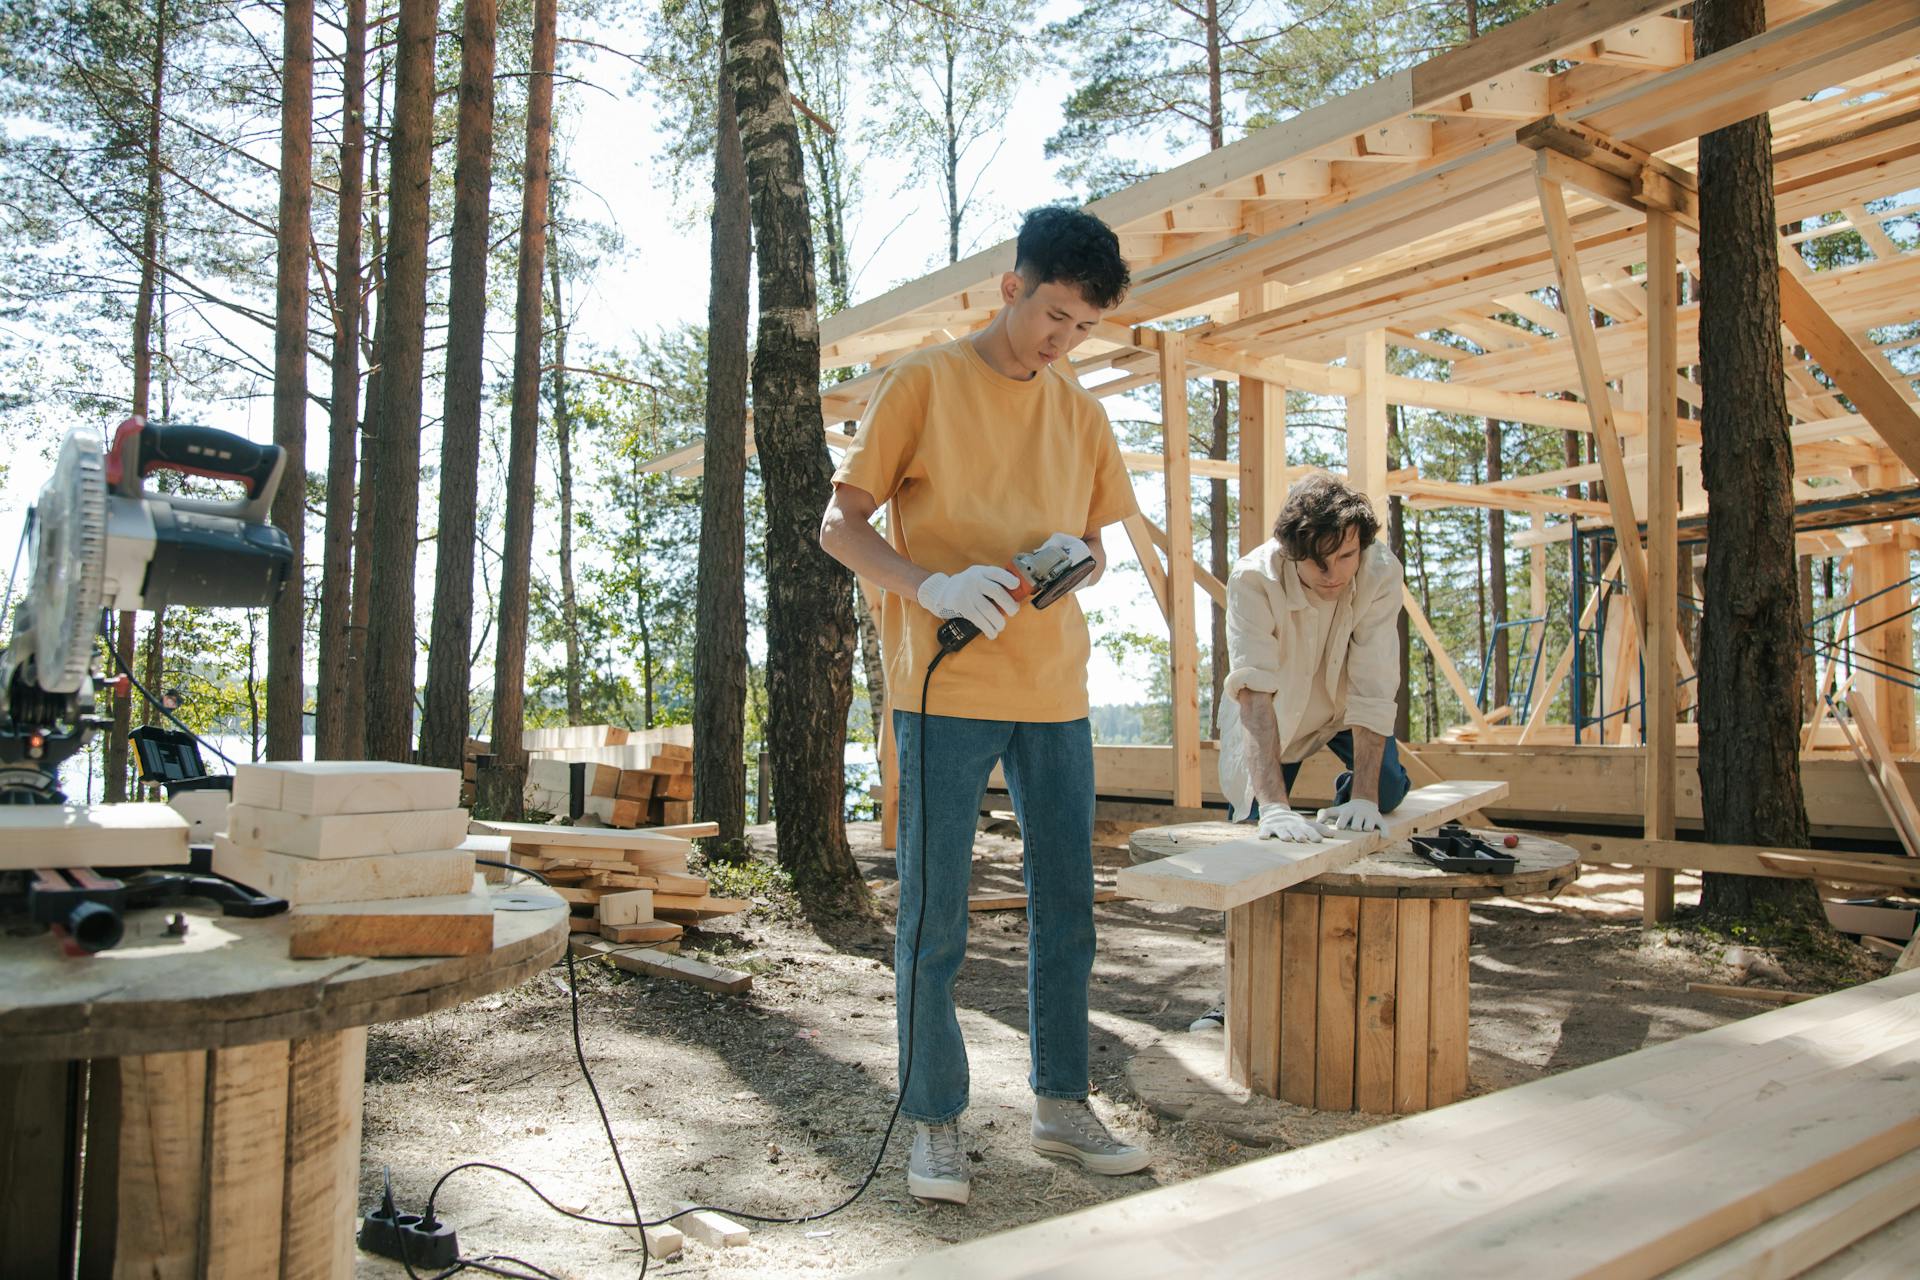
631,906
1334,1012
635,784
1413,940
36,1173
1447,999
1236,1001
163,1109
1018,901
1267,938
345,786
1299,994
683,969
1853,370
1367,419
1790,1243
345,835
659,839
447,925
1377,1006
246,1158
1441,657
1747,860
1759,995
642,931
1886,771
102,835
1143,550
1593,381
715,1230
428,872
1185,639
1225,875
663,1241
1663,561
325,1080
1263,438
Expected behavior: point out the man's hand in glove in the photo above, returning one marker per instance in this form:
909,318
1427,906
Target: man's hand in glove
979,594
1282,823
1076,548
1355,815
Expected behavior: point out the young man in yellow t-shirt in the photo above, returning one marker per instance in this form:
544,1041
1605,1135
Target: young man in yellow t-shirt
986,448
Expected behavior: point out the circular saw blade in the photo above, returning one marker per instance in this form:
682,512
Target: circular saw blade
69,565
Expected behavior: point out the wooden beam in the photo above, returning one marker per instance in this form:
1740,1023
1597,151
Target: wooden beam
1663,561
1367,418
1202,579
1442,659
1143,550
1185,653
1263,438
1593,380
1845,361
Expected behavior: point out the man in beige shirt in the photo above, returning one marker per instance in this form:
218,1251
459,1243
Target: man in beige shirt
1314,652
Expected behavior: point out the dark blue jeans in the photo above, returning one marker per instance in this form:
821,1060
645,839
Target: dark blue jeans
1049,771
1394,783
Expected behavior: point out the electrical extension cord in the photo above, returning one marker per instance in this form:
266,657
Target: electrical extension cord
389,1226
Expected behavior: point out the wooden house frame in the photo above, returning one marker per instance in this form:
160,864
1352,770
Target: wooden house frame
1556,151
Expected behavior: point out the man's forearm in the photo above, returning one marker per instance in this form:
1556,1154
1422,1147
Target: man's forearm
1369,749
858,545
1263,748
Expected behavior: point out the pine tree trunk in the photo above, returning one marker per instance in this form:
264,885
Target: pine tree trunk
1497,570
563,449
115,768
332,738
1749,646
286,619
810,633
449,703
516,570
720,611
390,628
361,607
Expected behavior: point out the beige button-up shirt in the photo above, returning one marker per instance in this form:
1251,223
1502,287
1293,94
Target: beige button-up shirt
1275,646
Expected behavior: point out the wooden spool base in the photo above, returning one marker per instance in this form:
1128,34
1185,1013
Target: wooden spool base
210,1162
1348,1003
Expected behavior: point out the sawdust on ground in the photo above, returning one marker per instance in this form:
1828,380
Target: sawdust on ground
774,1103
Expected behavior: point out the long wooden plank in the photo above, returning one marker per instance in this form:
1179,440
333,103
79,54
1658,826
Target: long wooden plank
1817,1230
101,835
1184,657
1335,1019
246,1158
1372,1202
1413,940
163,1108
1225,875
1447,1003
1901,808
346,835
1442,658
1663,561
652,839
345,786
1299,990
1239,1008
1855,372
449,925
1376,1006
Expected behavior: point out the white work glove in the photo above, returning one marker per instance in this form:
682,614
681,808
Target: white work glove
1076,548
1282,823
1355,815
979,594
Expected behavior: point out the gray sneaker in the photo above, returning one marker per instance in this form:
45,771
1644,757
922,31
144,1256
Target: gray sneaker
1068,1127
1214,1019
937,1166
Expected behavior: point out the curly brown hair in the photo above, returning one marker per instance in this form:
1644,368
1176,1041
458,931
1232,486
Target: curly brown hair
1317,515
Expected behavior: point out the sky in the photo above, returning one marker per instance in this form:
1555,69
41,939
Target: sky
660,281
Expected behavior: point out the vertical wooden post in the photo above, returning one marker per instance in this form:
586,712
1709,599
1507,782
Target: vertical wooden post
1367,418
1263,438
1663,508
1886,640
246,1156
163,1100
1185,637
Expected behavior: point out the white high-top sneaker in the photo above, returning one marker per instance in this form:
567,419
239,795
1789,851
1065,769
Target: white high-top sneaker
1068,1127
937,1167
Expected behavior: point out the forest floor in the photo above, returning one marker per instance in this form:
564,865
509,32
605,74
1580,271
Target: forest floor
773,1102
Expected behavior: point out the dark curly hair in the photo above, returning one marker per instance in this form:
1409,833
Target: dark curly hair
1316,518
1073,247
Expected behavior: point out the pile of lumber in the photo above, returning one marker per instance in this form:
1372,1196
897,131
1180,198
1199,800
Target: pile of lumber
659,794
629,887
372,857
1760,1148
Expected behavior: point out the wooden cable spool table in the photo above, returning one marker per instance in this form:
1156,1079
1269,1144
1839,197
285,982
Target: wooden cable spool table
214,1086
1349,991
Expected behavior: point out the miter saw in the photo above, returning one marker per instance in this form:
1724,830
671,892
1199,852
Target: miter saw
100,540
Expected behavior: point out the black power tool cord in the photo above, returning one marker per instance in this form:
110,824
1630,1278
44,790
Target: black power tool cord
580,1055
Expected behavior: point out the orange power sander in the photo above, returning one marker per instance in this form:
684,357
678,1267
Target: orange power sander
1045,575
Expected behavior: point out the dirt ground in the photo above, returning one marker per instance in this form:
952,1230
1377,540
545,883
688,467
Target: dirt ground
774,1102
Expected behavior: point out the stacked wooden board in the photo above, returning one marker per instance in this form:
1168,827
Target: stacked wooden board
1758,1148
370,855
629,887
659,793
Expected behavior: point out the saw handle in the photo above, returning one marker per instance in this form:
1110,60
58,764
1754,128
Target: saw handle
141,448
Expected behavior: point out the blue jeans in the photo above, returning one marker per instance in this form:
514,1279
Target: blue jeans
1049,770
1394,783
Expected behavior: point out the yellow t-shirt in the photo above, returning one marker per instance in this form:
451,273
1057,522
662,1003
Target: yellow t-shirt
979,466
